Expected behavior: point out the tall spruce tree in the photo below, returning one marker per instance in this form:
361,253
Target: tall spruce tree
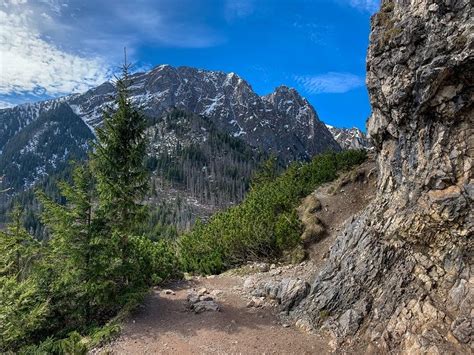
76,251
118,161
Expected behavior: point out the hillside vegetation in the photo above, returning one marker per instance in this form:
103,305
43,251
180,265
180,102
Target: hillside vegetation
265,224
68,292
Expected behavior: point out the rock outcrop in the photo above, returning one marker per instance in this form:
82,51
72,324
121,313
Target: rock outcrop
202,301
287,292
400,275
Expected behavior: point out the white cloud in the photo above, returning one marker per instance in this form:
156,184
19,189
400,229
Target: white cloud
54,47
329,82
15,2
370,6
30,64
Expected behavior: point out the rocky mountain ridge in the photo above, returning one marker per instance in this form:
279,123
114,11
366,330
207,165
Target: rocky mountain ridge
283,121
350,138
223,117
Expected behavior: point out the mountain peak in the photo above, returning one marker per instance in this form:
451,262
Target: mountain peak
284,88
160,67
282,122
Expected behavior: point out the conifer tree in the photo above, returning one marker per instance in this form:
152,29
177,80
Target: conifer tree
75,248
118,160
17,248
267,172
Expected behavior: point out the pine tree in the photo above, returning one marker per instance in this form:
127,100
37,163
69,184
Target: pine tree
267,172
75,248
118,161
22,311
17,248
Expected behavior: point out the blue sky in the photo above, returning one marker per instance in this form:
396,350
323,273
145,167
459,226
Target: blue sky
49,48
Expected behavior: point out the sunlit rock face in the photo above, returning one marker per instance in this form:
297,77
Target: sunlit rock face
401,274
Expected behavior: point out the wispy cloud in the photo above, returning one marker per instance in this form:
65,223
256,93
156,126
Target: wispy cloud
235,9
331,82
5,104
55,47
29,64
370,6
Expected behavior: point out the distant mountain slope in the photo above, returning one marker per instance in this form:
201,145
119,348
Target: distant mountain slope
207,129
44,146
350,138
197,169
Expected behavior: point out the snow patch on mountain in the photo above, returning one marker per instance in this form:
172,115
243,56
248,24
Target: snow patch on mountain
350,138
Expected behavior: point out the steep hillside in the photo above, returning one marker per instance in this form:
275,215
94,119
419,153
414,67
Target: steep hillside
196,168
44,146
400,274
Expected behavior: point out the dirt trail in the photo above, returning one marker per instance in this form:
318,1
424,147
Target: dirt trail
166,325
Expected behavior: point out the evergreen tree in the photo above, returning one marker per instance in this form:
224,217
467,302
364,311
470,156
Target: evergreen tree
22,311
17,248
267,172
78,255
118,161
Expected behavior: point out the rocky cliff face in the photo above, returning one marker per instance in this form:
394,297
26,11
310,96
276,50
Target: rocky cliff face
401,274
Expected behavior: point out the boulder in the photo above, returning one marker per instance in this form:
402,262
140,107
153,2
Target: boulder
200,301
205,306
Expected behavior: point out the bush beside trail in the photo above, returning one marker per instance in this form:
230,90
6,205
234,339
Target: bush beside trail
265,225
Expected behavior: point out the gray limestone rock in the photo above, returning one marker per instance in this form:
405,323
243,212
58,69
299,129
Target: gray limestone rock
400,274
287,292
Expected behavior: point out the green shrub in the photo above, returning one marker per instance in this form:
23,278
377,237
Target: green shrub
71,345
154,261
265,224
287,230
22,312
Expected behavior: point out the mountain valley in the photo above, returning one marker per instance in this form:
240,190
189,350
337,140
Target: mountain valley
208,132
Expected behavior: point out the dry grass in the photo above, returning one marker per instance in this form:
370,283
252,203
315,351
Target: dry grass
314,229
